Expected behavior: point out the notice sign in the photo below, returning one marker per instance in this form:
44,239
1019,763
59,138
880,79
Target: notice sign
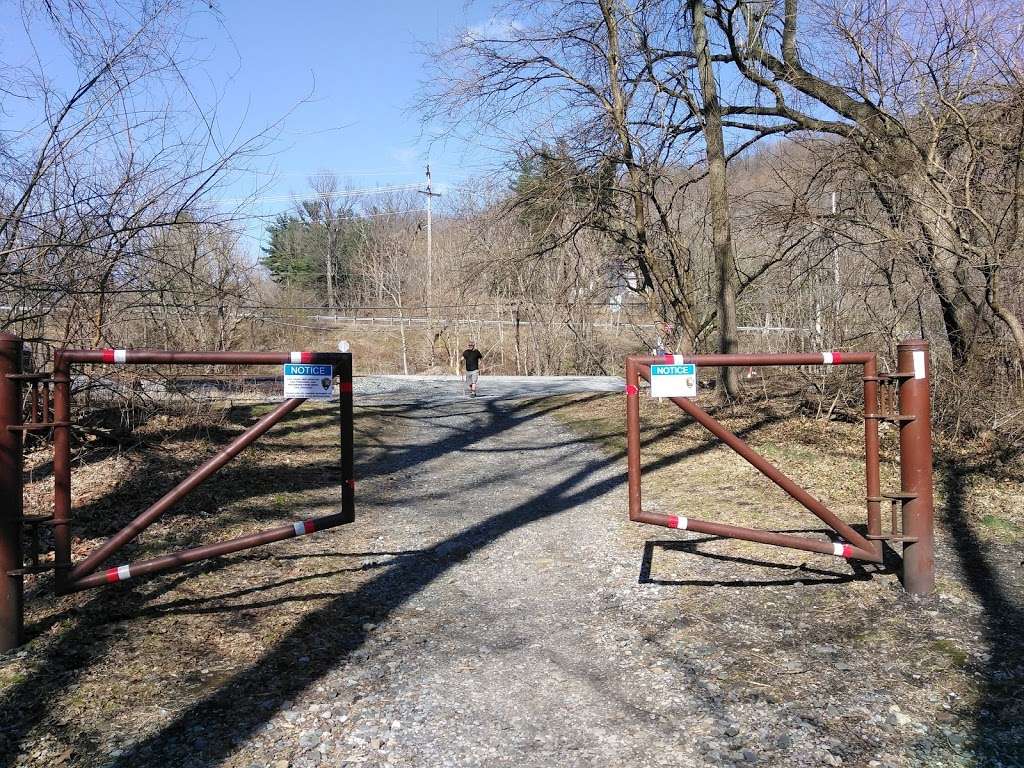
679,380
310,381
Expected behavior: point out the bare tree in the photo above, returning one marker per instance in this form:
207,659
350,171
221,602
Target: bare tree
568,79
101,167
930,104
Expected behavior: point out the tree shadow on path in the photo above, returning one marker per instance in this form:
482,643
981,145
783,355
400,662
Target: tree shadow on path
1000,711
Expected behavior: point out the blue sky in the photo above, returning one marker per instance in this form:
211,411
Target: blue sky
343,76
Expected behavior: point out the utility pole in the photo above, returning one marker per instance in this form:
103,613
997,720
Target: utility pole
430,193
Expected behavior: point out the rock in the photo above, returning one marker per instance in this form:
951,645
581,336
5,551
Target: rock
749,756
785,741
897,718
732,730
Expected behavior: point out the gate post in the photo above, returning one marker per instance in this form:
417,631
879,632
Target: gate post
11,586
633,437
348,475
913,365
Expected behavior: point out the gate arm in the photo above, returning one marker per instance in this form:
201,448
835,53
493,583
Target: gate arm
772,473
182,489
768,470
727,531
206,551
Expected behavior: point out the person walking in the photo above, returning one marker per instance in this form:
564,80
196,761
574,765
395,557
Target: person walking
471,358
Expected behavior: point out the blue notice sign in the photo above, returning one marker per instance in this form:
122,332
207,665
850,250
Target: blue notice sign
676,380
307,380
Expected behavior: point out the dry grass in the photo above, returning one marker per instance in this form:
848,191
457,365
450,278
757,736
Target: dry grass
825,457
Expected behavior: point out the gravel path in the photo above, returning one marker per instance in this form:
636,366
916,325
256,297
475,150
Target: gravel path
513,656
503,649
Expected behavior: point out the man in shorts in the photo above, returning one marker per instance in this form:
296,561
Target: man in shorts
471,358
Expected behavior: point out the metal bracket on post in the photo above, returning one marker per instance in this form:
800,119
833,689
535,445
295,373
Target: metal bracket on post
11,580
913,368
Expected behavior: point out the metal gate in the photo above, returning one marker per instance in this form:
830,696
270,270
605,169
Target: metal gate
901,398
49,412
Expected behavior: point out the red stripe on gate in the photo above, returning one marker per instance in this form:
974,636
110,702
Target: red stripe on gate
111,574
350,483
632,389
837,357
309,526
673,521
346,386
847,550
108,357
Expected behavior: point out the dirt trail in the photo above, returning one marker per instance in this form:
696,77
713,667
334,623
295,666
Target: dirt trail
486,610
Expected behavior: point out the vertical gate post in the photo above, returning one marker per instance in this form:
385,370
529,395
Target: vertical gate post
916,466
872,463
11,586
633,437
348,488
61,469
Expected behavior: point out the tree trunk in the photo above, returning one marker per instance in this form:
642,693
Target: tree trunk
330,270
718,197
1003,312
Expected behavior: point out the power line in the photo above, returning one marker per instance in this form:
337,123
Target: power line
336,174
271,216
297,197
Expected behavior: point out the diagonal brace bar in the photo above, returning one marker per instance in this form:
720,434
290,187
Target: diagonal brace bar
761,537
182,489
769,470
206,551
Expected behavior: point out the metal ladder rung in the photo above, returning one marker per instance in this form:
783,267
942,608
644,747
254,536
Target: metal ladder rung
893,417
37,519
892,538
38,426
26,570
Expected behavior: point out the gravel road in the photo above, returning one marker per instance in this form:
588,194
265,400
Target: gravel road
502,643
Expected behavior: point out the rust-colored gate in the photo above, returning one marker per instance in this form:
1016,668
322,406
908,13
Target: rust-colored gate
52,415
901,397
